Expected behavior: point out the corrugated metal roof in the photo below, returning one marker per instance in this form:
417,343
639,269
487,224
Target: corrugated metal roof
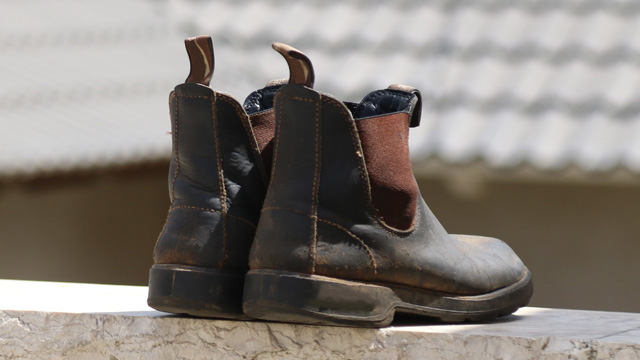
548,84
84,84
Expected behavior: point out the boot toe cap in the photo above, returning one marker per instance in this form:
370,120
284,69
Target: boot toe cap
490,264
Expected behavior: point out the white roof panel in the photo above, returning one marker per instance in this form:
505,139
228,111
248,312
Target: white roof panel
546,83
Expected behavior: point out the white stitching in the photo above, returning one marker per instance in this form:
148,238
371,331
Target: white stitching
315,201
175,149
221,184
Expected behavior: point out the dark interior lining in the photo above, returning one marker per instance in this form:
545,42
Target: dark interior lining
260,100
382,102
376,103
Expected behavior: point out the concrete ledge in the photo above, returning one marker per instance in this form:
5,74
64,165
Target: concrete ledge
40,320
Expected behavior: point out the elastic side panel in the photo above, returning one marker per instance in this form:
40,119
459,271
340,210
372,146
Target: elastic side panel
264,125
394,190
195,176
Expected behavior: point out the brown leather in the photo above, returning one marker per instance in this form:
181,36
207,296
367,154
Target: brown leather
220,164
318,215
300,67
343,223
200,51
263,125
217,184
394,190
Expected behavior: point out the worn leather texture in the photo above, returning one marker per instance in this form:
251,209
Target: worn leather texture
319,217
217,182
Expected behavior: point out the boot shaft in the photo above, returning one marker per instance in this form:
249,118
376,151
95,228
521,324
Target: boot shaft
332,173
344,156
220,164
217,180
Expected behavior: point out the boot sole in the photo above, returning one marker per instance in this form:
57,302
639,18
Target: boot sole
196,291
312,299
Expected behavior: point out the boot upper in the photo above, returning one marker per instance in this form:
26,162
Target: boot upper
321,216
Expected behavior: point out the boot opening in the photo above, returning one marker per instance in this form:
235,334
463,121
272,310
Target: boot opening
383,102
260,100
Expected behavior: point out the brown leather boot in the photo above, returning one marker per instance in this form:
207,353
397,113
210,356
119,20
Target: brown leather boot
217,182
345,237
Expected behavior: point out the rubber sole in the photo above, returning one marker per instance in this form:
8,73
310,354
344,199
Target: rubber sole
311,299
195,291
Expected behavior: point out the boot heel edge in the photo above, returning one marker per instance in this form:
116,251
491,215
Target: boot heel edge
311,299
195,291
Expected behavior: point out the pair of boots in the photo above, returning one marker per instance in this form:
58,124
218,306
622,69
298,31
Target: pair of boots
299,207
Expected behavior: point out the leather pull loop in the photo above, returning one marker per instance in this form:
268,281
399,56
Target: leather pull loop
200,51
416,109
300,67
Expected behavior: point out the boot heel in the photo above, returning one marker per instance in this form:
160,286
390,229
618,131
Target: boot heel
182,289
312,299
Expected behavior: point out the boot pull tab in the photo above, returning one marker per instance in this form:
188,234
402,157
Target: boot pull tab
416,109
300,67
200,51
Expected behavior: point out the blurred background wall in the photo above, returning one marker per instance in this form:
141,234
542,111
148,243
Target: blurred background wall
530,131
